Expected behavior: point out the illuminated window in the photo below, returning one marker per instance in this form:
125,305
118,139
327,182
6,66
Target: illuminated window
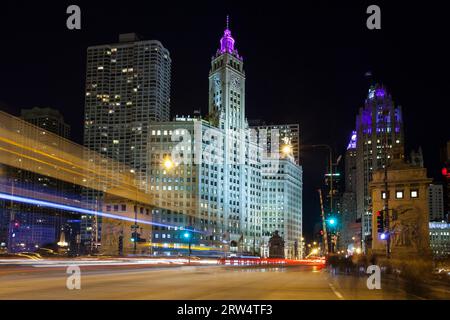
414,193
399,194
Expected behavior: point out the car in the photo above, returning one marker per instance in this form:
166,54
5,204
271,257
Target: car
30,255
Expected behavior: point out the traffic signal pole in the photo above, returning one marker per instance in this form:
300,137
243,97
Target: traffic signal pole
386,198
324,225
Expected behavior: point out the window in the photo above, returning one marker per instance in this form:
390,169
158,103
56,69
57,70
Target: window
383,195
414,193
399,194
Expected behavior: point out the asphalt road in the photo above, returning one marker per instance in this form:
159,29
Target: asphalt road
193,282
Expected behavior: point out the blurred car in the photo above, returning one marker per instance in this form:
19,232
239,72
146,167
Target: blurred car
29,255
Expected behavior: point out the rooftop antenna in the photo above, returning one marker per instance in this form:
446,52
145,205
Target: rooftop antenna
228,22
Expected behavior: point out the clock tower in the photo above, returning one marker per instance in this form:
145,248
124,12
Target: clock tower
227,86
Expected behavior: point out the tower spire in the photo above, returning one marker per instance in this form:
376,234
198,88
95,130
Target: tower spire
227,41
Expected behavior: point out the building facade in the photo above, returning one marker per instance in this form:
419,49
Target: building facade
127,87
282,205
279,136
407,198
379,129
440,239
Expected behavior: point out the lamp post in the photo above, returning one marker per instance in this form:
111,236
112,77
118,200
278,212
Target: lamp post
187,235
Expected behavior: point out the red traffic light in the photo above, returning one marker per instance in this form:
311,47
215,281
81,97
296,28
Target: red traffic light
445,172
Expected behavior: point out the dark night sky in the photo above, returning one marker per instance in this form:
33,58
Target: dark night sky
304,63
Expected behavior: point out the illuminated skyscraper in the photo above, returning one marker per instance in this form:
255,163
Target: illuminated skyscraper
281,206
217,191
127,87
379,128
350,233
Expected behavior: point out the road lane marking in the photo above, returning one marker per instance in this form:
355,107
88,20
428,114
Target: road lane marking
336,292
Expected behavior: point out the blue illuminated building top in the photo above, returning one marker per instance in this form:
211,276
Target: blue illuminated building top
352,143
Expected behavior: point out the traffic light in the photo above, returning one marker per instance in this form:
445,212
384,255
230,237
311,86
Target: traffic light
446,172
380,222
332,221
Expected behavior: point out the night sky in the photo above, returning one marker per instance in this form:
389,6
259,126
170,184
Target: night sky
304,64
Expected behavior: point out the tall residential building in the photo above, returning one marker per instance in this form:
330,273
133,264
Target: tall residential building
379,128
436,202
283,133
127,87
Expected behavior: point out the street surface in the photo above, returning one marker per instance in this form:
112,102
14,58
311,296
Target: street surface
193,282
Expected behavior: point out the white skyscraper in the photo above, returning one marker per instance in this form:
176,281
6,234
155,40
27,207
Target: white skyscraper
281,207
217,191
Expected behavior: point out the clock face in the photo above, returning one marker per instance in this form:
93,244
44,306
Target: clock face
236,82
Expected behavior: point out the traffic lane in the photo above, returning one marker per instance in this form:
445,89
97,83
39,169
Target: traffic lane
181,283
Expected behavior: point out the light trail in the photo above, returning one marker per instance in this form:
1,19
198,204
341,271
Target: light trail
80,210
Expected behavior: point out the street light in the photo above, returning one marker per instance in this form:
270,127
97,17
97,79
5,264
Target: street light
168,163
286,149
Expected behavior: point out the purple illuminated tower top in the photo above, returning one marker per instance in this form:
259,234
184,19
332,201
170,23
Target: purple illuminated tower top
227,43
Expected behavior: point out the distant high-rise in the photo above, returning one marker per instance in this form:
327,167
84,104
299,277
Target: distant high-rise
30,227
285,133
127,87
436,202
48,119
350,233
379,125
